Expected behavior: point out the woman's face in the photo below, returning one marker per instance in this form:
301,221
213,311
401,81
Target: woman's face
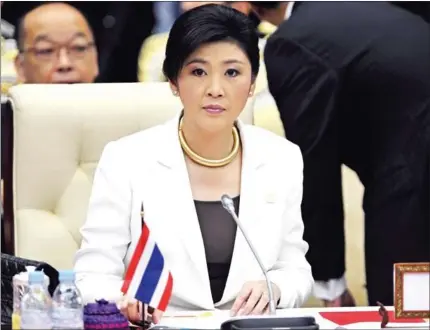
214,85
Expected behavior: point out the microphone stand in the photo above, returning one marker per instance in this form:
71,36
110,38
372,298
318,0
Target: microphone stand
262,322
228,204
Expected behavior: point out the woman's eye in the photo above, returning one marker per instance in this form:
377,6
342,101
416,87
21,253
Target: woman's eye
232,73
198,72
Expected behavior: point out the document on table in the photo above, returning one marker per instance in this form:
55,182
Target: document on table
194,319
213,319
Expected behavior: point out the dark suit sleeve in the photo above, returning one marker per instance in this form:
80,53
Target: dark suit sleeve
305,91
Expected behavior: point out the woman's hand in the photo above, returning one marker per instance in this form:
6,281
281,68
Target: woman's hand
253,299
133,310
155,314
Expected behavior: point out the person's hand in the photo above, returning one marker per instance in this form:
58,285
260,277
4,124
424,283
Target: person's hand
133,310
344,300
155,314
253,299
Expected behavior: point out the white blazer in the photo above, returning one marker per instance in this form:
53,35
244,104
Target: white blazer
149,167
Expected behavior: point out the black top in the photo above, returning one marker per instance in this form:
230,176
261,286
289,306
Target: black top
219,233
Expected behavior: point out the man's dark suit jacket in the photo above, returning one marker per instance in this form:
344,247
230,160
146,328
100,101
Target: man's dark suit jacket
420,8
352,83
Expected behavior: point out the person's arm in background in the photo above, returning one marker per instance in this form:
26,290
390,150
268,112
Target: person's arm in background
151,57
166,13
305,91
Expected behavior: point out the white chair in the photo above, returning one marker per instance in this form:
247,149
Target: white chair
59,134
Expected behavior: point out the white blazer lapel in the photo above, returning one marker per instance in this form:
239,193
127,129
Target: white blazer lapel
256,202
172,200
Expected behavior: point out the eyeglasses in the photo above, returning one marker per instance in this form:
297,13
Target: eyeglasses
52,52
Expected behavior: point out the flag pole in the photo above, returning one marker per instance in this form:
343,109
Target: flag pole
145,322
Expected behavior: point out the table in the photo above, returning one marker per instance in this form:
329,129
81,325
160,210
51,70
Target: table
327,318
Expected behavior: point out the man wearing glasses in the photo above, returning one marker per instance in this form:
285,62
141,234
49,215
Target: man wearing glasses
56,45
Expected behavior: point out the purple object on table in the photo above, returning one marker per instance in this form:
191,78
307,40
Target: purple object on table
104,315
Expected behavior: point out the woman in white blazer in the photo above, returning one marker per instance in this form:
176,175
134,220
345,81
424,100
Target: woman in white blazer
180,170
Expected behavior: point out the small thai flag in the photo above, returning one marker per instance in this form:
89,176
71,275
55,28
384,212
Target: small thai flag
147,278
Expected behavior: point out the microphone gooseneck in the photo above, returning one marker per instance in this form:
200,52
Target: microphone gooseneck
228,204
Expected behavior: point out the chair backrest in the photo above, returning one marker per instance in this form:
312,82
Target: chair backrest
59,134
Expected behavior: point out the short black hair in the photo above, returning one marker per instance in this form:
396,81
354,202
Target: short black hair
206,24
266,4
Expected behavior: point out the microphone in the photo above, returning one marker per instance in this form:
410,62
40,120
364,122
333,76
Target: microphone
267,322
228,204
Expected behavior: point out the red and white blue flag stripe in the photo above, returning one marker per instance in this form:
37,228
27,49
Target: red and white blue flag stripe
147,278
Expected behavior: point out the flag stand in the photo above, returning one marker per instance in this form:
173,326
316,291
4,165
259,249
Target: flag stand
146,317
144,320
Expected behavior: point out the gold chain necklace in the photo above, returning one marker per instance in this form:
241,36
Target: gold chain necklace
210,162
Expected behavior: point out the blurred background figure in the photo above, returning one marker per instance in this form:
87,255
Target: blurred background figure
166,12
56,45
